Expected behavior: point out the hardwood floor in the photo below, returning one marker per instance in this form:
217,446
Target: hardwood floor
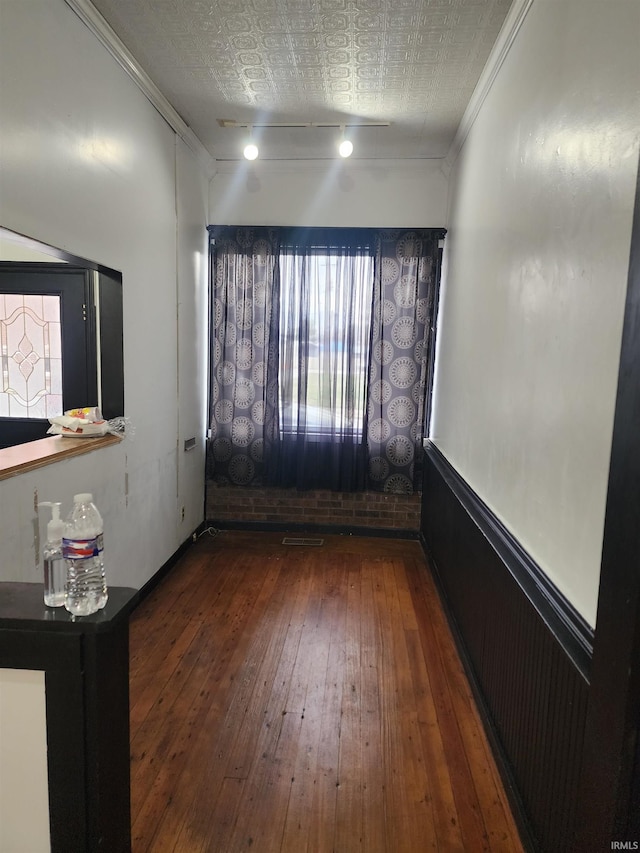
288,698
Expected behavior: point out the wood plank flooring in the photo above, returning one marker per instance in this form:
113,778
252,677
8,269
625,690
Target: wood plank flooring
293,699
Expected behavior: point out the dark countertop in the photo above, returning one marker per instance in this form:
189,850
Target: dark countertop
22,608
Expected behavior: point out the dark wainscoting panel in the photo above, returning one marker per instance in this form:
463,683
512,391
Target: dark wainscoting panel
526,650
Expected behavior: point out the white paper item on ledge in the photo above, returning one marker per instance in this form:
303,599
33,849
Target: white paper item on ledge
77,427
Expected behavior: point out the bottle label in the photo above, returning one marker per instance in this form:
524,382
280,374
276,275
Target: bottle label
82,549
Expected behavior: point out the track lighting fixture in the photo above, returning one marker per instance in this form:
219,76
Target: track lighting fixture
345,145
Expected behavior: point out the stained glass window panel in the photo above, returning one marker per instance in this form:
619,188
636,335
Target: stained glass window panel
30,355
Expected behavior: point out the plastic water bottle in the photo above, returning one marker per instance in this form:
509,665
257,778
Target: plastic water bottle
82,546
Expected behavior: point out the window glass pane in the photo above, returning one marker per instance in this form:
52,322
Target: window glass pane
324,340
30,355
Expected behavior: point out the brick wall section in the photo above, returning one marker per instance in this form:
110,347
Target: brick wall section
231,505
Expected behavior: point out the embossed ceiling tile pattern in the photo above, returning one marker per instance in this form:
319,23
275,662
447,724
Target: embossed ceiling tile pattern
412,62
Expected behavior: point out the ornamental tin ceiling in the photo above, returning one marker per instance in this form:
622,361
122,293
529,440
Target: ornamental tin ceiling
413,63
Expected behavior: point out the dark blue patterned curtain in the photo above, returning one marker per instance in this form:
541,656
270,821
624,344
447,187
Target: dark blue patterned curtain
407,268
322,348
244,270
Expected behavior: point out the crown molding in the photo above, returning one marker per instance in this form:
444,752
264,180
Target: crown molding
92,19
499,53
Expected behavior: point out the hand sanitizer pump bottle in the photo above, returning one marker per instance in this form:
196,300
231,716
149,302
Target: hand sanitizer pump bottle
55,568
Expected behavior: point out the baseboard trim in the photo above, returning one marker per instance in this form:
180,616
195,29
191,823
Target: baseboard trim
329,529
568,627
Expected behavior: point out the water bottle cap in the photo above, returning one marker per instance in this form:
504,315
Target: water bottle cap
83,498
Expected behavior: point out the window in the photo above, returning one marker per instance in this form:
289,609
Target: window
60,344
48,363
325,329
31,346
320,351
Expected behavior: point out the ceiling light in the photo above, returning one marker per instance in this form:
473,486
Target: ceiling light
250,149
345,146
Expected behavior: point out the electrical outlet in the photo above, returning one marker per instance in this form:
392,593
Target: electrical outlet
182,513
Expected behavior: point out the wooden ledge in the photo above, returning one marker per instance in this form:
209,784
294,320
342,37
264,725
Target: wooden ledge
22,458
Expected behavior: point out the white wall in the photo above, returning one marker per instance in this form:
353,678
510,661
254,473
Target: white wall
351,193
24,794
537,253
88,165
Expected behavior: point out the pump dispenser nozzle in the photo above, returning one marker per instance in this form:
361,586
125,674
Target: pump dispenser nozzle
55,512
